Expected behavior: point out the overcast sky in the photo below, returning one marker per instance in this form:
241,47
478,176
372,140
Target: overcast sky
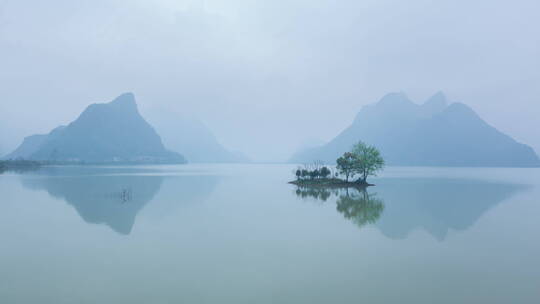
267,76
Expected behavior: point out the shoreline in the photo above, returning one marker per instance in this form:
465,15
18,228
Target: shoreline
329,183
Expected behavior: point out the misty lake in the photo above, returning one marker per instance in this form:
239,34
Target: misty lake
241,234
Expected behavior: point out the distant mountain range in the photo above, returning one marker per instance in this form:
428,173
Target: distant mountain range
110,132
192,138
435,133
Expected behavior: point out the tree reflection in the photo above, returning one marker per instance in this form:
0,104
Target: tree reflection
362,208
356,204
317,193
436,205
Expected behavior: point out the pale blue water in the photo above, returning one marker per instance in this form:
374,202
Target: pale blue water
241,234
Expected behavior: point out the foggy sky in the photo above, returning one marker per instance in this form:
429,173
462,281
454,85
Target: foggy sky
267,76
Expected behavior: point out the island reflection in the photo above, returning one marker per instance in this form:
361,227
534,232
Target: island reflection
355,204
402,205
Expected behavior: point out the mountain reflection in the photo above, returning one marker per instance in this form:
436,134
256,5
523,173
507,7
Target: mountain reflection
438,205
435,205
113,196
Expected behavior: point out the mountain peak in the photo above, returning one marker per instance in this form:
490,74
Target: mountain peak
438,97
432,134
395,106
435,104
104,132
394,98
126,100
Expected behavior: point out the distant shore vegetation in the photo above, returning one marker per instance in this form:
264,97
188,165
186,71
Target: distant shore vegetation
352,169
18,165
27,163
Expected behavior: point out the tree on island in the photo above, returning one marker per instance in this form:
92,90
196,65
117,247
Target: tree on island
324,172
313,172
370,160
347,165
364,160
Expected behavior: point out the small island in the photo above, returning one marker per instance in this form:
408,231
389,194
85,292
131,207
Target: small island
362,161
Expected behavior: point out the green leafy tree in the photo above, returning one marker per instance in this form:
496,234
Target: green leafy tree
324,172
364,160
368,161
347,164
298,174
305,173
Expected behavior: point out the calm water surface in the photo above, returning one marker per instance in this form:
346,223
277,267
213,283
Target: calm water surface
241,234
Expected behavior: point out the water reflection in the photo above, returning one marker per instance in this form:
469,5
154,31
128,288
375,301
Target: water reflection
435,205
321,194
114,196
356,204
360,207
438,205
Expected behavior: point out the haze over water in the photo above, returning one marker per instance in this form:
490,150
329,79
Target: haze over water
241,234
